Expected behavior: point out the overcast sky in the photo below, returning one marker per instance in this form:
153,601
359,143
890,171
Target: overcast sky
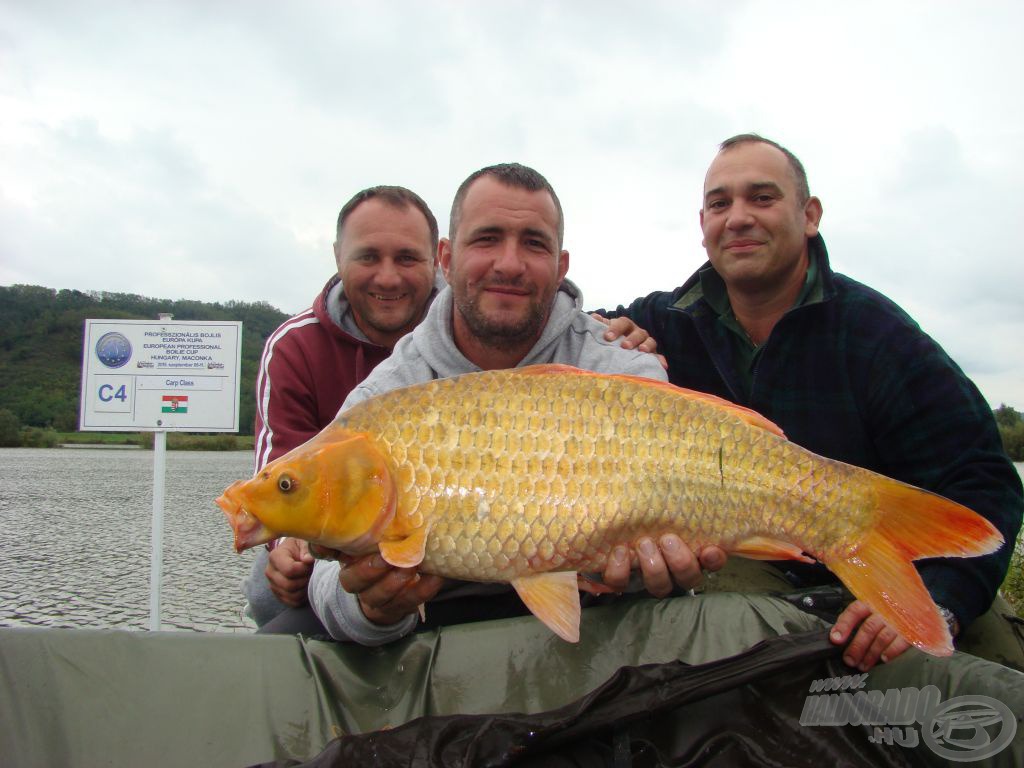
202,149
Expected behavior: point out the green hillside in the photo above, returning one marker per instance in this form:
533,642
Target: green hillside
41,352
41,346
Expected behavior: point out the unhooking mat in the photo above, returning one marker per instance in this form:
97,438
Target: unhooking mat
91,698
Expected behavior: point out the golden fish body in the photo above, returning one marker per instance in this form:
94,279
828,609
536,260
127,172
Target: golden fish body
519,474
532,475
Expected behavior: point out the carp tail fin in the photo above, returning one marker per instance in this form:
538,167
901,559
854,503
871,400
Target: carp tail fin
880,572
928,525
881,576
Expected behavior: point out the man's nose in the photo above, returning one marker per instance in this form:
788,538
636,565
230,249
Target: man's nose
739,216
509,260
386,275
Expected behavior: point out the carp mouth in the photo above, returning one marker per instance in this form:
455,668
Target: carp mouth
249,531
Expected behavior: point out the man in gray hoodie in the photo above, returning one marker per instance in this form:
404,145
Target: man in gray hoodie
508,304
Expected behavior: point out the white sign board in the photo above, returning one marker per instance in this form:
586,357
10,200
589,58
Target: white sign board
147,375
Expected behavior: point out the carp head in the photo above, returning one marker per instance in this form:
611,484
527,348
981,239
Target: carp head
338,493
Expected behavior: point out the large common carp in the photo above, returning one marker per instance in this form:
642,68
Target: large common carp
532,475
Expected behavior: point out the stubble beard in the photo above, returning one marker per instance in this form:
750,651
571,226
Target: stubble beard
388,322
505,335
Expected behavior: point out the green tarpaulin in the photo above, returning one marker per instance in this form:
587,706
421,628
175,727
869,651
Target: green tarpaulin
97,698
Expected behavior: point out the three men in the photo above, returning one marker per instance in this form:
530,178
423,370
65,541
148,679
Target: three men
508,305
844,371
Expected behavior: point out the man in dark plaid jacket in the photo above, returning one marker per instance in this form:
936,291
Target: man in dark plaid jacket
845,373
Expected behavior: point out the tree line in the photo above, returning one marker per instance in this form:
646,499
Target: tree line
41,336
41,355
1011,429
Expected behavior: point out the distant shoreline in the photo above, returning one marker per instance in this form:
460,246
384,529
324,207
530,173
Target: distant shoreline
176,441
101,446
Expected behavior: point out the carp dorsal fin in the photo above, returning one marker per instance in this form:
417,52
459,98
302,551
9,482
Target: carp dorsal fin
753,418
553,598
406,552
544,368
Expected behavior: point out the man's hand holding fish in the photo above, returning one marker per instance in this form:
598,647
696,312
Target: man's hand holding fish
386,594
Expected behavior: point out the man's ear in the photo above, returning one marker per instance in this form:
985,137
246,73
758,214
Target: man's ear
703,240
337,254
444,256
563,265
812,211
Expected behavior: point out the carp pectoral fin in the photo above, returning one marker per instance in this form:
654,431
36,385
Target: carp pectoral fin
765,548
407,552
554,599
591,583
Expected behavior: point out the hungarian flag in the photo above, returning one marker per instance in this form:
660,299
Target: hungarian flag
175,404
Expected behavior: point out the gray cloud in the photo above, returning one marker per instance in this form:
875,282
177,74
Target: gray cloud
202,150
119,214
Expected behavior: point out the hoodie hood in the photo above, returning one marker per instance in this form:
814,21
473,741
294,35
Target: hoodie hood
332,308
434,341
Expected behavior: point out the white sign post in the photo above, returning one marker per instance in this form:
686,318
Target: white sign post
160,376
156,537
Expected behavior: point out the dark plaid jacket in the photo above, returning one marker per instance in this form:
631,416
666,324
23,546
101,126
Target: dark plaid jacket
849,375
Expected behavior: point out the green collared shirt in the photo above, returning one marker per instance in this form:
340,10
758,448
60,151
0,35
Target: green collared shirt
743,350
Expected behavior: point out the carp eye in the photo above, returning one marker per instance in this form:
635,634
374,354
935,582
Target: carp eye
285,484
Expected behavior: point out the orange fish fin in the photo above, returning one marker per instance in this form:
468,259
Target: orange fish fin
913,524
592,584
767,548
880,575
928,525
753,418
554,599
548,368
406,552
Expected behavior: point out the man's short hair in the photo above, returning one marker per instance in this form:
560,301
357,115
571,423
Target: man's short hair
511,175
802,188
396,197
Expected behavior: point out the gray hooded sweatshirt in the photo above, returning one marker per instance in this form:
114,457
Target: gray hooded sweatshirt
570,337
309,332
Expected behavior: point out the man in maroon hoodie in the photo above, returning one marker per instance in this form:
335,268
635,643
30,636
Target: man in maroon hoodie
385,250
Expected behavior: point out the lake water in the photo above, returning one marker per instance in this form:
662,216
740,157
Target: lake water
75,531
75,527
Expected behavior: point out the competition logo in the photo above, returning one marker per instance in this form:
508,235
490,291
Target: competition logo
113,349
